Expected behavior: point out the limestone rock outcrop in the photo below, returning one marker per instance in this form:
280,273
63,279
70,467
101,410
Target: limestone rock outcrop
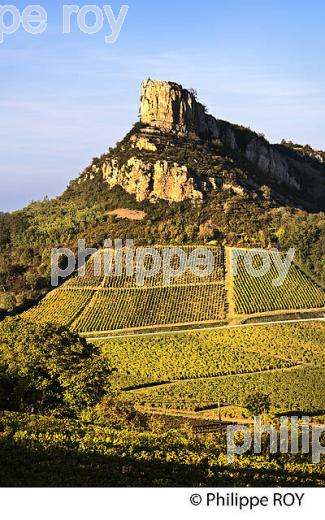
158,180
171,108
178,151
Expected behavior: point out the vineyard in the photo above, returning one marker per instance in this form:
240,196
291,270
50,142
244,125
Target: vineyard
95,302
92,302
135,308
194,370
61,306
38,451
259,294
193,355
299,389
117,269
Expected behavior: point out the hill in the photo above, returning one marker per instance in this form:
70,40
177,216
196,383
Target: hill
193,179
178,151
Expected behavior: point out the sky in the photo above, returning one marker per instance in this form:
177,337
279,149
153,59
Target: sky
66,98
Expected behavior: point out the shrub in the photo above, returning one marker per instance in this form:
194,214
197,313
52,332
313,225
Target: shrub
258,403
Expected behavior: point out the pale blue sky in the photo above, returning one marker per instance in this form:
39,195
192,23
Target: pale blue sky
67,98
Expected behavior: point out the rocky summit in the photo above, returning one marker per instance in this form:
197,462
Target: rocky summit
178,151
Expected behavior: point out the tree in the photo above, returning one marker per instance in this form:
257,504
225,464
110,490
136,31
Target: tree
258,403
33,281
280,234
206,231
51,368
120,414
8,302
194,93
4,229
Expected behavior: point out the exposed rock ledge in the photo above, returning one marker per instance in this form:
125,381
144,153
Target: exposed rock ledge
169,107
162,180
151,162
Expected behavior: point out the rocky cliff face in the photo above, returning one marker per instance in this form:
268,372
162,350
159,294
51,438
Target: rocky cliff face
149,167
152,180
170,108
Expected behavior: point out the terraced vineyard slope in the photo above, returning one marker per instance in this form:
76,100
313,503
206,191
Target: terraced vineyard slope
195,370
117,302
89,303
61,306
255,294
